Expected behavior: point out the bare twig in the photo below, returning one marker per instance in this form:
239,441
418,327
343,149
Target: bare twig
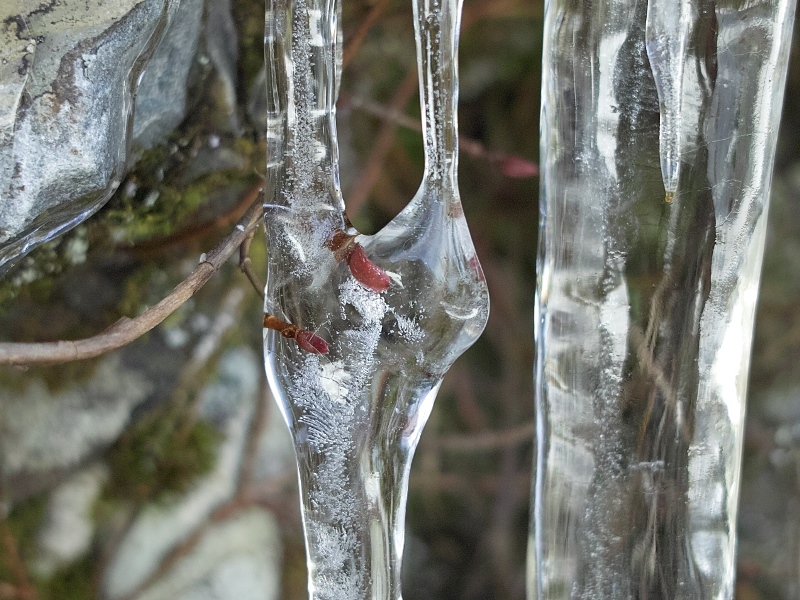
380,150
355,43
387,113
488,440
246,265
126,330
511,165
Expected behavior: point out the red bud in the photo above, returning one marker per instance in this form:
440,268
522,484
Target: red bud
518,168
311,342
366,272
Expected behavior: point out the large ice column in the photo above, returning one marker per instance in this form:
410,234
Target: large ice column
644,308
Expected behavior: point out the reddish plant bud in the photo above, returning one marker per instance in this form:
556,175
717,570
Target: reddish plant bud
311,342
341,243
518,168
366,272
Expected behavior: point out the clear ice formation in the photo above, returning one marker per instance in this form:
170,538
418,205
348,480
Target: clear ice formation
644,309
667,35
357,411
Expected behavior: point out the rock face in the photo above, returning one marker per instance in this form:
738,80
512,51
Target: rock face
67,531
237,558
229,403
45,432
162,92
66,80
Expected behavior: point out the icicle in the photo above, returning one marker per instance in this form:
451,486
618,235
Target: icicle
666,33
644,315
361,329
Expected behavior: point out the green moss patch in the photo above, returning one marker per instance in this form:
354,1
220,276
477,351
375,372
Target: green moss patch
160,457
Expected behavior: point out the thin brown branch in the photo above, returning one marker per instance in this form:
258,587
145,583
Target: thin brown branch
488,440
246,265
510,164
355,43
386,113
127,330
380,150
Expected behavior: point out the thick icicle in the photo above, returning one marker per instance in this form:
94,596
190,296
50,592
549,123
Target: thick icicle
383,316
667,34
644,312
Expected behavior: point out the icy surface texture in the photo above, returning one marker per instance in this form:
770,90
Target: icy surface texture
667,33
356,413
67,78
644,307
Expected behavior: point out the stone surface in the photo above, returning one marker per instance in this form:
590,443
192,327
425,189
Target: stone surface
238,559
67,532
221,46
228,402
44,432
161,97
65,103
275,455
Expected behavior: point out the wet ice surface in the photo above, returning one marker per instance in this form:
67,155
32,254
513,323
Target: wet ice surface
356,413
667,35
645,308
69,73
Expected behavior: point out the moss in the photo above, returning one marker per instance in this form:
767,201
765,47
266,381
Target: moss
157,459
24,522
57,378
34,276
74,582
136,291
249,18
152,213
246,147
